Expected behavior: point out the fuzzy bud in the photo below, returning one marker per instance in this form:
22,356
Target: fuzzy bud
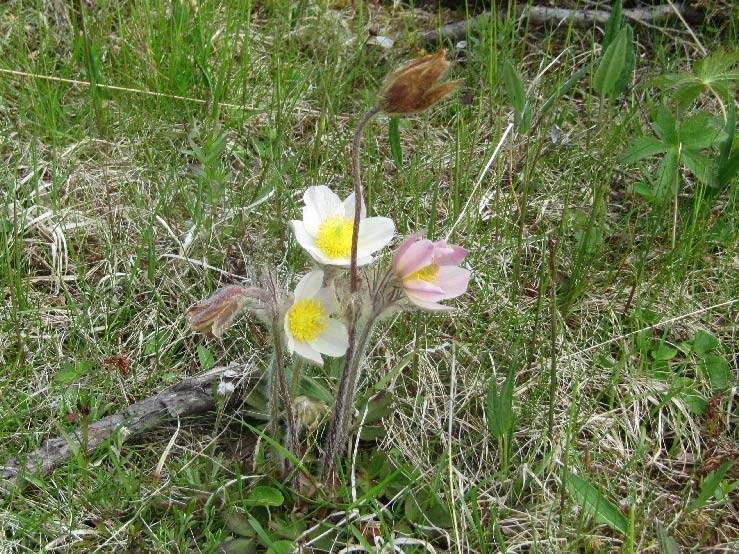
415,86
308,412
216,313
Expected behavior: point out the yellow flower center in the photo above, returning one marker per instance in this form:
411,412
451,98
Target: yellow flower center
306,319
335,237
428,274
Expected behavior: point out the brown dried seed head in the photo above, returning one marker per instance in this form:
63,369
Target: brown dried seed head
216,313
415,87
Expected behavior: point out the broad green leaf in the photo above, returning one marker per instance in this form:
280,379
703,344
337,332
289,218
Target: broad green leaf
703,167
613,25
728,165
695,402
280,547
643,147
263,495
709,486
611,65
239,524
71,371
629,63
704,342
499,407
664,352
718,371
700,131
565,88
394,138
665,126
643,190
238,546
205,357
595,504
516,96
667,176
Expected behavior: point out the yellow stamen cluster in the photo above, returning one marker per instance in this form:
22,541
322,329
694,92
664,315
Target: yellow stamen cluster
335,237
428,274
307,319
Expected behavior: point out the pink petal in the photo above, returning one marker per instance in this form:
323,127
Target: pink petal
448,254
412,239
428,305
424,287
414,257
453,280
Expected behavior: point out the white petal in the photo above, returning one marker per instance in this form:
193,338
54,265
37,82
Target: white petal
349,208
307,242
311,221
374,234
327,297
305,350
321,202
309,285
333,341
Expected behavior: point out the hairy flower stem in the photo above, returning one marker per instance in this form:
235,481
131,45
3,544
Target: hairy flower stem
278,374
336,439
338,435
358,192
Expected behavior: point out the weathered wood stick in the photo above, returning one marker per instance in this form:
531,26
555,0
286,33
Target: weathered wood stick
543,15
191,396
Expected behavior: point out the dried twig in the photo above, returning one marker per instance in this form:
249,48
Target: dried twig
543,15
189,397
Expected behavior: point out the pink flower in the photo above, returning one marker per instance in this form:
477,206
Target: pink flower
429,271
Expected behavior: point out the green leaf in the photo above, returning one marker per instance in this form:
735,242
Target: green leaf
499,408
629,63
262,495
728,165
643,147
239,524
718,371
516,95
700,131
703,167
595,504
280,547
238,546
695,402
71,371
613,25
612,65
205,357
664,352
643,190
667,177
665,126
704,342
709,486
394,138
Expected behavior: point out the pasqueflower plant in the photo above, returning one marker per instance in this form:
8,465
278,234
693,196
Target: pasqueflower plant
336,306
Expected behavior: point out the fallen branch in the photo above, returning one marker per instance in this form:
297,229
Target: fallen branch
543,15
191,396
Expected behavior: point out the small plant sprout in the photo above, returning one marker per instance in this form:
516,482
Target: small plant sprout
309,329
334,310
326,229
429,271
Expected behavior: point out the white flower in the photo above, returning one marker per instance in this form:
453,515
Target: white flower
326,229
309,329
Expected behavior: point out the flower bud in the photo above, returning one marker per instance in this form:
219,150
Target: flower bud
216,313
415,86
308,412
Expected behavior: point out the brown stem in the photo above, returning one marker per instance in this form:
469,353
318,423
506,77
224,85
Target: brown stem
344,394
279,371
358,198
